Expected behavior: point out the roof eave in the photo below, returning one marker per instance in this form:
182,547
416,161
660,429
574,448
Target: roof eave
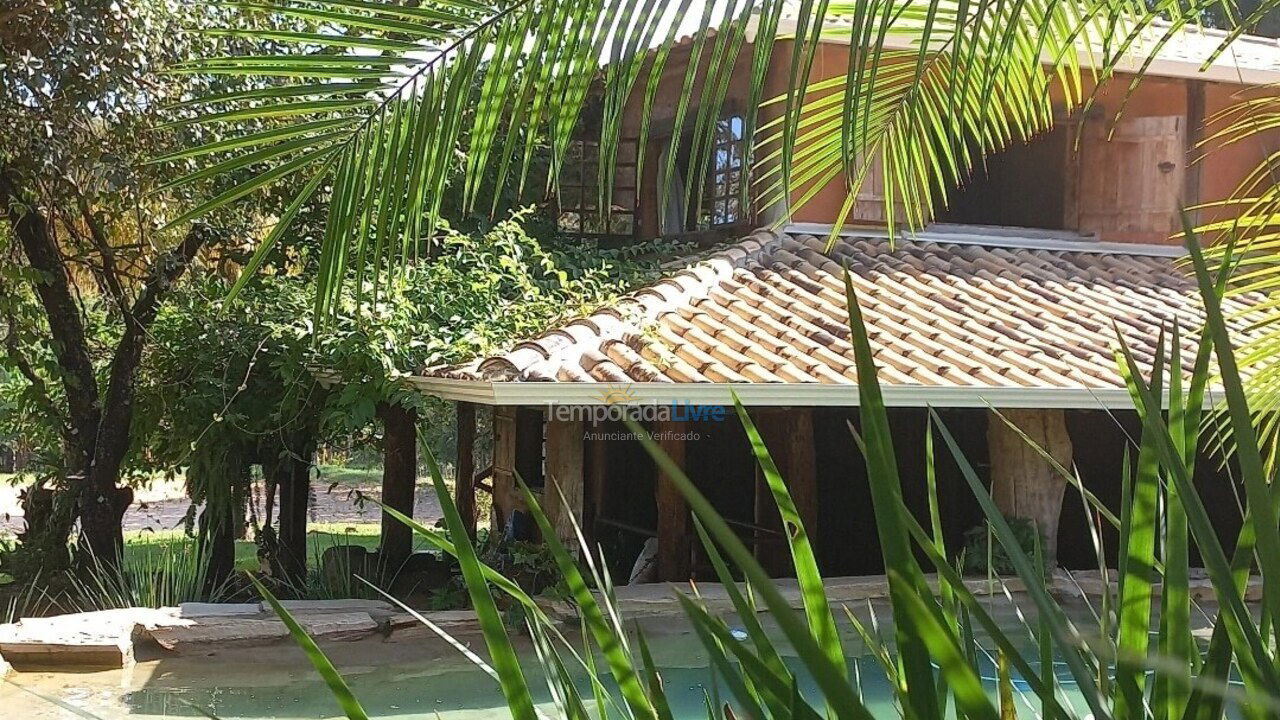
1222,70
509,393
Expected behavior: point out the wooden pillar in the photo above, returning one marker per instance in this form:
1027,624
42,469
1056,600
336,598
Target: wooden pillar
464,480
675,527
595,480
1194,136
562,495
788,434
504,464
399,481
1023,483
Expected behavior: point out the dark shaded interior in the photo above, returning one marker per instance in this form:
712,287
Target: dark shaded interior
721,463
998,191
1100,440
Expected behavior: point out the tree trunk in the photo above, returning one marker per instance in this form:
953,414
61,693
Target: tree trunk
103,503
96,428
295,498
1023,483
218,544
102,508
399,481
222,519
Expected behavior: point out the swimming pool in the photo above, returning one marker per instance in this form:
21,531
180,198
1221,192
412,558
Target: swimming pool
409,675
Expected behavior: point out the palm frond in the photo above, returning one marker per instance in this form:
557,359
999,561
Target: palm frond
933,87
377,98
385,101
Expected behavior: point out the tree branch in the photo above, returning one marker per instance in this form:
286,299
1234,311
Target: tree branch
66,325
110,273
113,431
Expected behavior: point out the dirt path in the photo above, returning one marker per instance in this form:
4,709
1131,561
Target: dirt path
163,508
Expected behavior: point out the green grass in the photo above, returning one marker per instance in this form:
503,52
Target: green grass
319,537
348,476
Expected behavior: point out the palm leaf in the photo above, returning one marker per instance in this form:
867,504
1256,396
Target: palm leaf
934,84
332,678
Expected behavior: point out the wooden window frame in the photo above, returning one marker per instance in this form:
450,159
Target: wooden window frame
579,193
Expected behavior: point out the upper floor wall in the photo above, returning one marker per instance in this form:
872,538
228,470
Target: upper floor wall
1120,172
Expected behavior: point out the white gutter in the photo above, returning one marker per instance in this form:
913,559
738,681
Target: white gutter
486,392
1226,69
1005,237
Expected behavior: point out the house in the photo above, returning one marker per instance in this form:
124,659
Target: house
1001,314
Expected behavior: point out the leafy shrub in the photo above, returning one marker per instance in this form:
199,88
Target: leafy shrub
983,554
164,575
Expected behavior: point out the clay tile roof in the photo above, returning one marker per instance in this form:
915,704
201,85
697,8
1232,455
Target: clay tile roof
770,309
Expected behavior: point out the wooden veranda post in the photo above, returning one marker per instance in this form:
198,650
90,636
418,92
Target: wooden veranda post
399,480
504,464
1023,483
788,434
675,527
465,467
565,446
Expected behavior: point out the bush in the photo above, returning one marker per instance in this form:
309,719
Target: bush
983,554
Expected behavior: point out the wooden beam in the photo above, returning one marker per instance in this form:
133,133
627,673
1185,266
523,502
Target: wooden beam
1023,483
675,528
788,434
565,472
465,466
399,480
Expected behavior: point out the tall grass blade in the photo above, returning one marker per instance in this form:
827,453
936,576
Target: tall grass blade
829,677
1134,624
612,644
332,678
822,622
501,652
886,498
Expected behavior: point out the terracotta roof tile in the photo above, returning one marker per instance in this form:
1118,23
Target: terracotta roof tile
771,309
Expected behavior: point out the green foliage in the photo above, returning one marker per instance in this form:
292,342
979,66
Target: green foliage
984,554
389,137
174,574
531,565
1115,671
247,380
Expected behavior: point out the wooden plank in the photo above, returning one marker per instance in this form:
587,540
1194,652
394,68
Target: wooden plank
788,434
595,480
1131,184
564,471
465,466
399,480
675,527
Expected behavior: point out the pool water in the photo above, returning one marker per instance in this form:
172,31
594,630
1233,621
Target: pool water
410,675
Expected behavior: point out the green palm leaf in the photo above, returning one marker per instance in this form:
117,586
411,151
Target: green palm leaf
933,85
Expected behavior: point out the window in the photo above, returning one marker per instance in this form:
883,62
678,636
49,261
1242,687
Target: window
581,190
722,200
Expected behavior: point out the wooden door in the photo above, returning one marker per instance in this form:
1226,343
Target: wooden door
1128,188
